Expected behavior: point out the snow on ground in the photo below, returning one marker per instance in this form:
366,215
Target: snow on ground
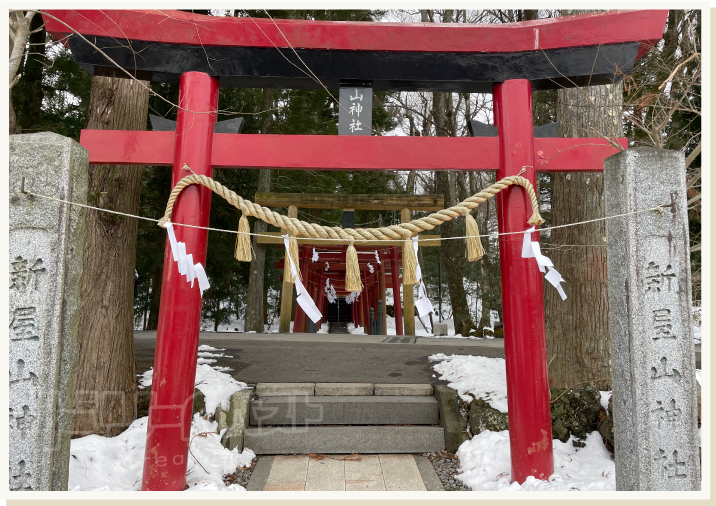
696,315
481,377
216,386
116,463
352,329
485,461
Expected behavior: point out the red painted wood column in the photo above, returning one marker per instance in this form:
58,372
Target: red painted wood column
397,303
165,460
525,345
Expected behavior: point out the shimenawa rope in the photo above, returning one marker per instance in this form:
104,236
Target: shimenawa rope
406,231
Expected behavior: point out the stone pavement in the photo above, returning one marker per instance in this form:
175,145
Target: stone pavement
326,358
339,472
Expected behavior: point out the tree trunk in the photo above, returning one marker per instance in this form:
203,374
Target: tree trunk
452,251
445,121
153,321
256,298
106,375
577,328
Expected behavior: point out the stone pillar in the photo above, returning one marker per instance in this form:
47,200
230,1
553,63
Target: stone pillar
45,265
652,345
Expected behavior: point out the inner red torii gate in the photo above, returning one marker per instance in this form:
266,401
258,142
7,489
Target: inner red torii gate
202,53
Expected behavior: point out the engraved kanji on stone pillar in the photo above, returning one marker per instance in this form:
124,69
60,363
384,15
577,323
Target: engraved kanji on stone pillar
653,359
45,265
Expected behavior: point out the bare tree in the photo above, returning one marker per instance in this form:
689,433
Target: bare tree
256,298
19,33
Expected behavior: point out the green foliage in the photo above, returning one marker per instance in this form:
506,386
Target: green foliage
62,87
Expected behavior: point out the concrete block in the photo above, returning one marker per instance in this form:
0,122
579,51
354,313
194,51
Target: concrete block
652,344
453,418
221,419
329,440
46,240
430,478
237,419
344,389
392,389
440,329
344,410
267,389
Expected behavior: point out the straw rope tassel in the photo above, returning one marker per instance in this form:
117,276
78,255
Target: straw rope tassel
353,282
243,241
409,263
474,245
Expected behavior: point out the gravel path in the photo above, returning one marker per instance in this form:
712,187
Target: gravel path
446,465
241,476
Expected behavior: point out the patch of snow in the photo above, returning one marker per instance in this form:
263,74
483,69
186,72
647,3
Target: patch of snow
217,387
116,463
201,361
206,347
485,461
604,401
352,329
474,377
698,375
206,354
145,379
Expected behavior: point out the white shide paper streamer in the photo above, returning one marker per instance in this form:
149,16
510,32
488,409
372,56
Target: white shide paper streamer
377,257
302,298
185,262
530,249
423,304
330,292
314,258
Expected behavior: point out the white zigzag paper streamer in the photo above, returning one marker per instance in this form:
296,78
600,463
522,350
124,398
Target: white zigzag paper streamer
530,249
423,304
302,298
185,262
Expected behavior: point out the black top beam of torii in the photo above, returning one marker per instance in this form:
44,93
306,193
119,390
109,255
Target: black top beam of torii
160,46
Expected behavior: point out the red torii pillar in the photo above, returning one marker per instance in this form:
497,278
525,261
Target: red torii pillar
171,400
528,399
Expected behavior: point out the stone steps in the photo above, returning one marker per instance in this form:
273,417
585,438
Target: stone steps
332,418
347,439
344,410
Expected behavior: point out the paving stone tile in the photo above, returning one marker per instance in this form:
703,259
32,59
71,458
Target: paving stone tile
285,486
289,469
401,473
327,474
366,469
358,485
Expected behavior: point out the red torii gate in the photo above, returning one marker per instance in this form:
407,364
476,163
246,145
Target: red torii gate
507,60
